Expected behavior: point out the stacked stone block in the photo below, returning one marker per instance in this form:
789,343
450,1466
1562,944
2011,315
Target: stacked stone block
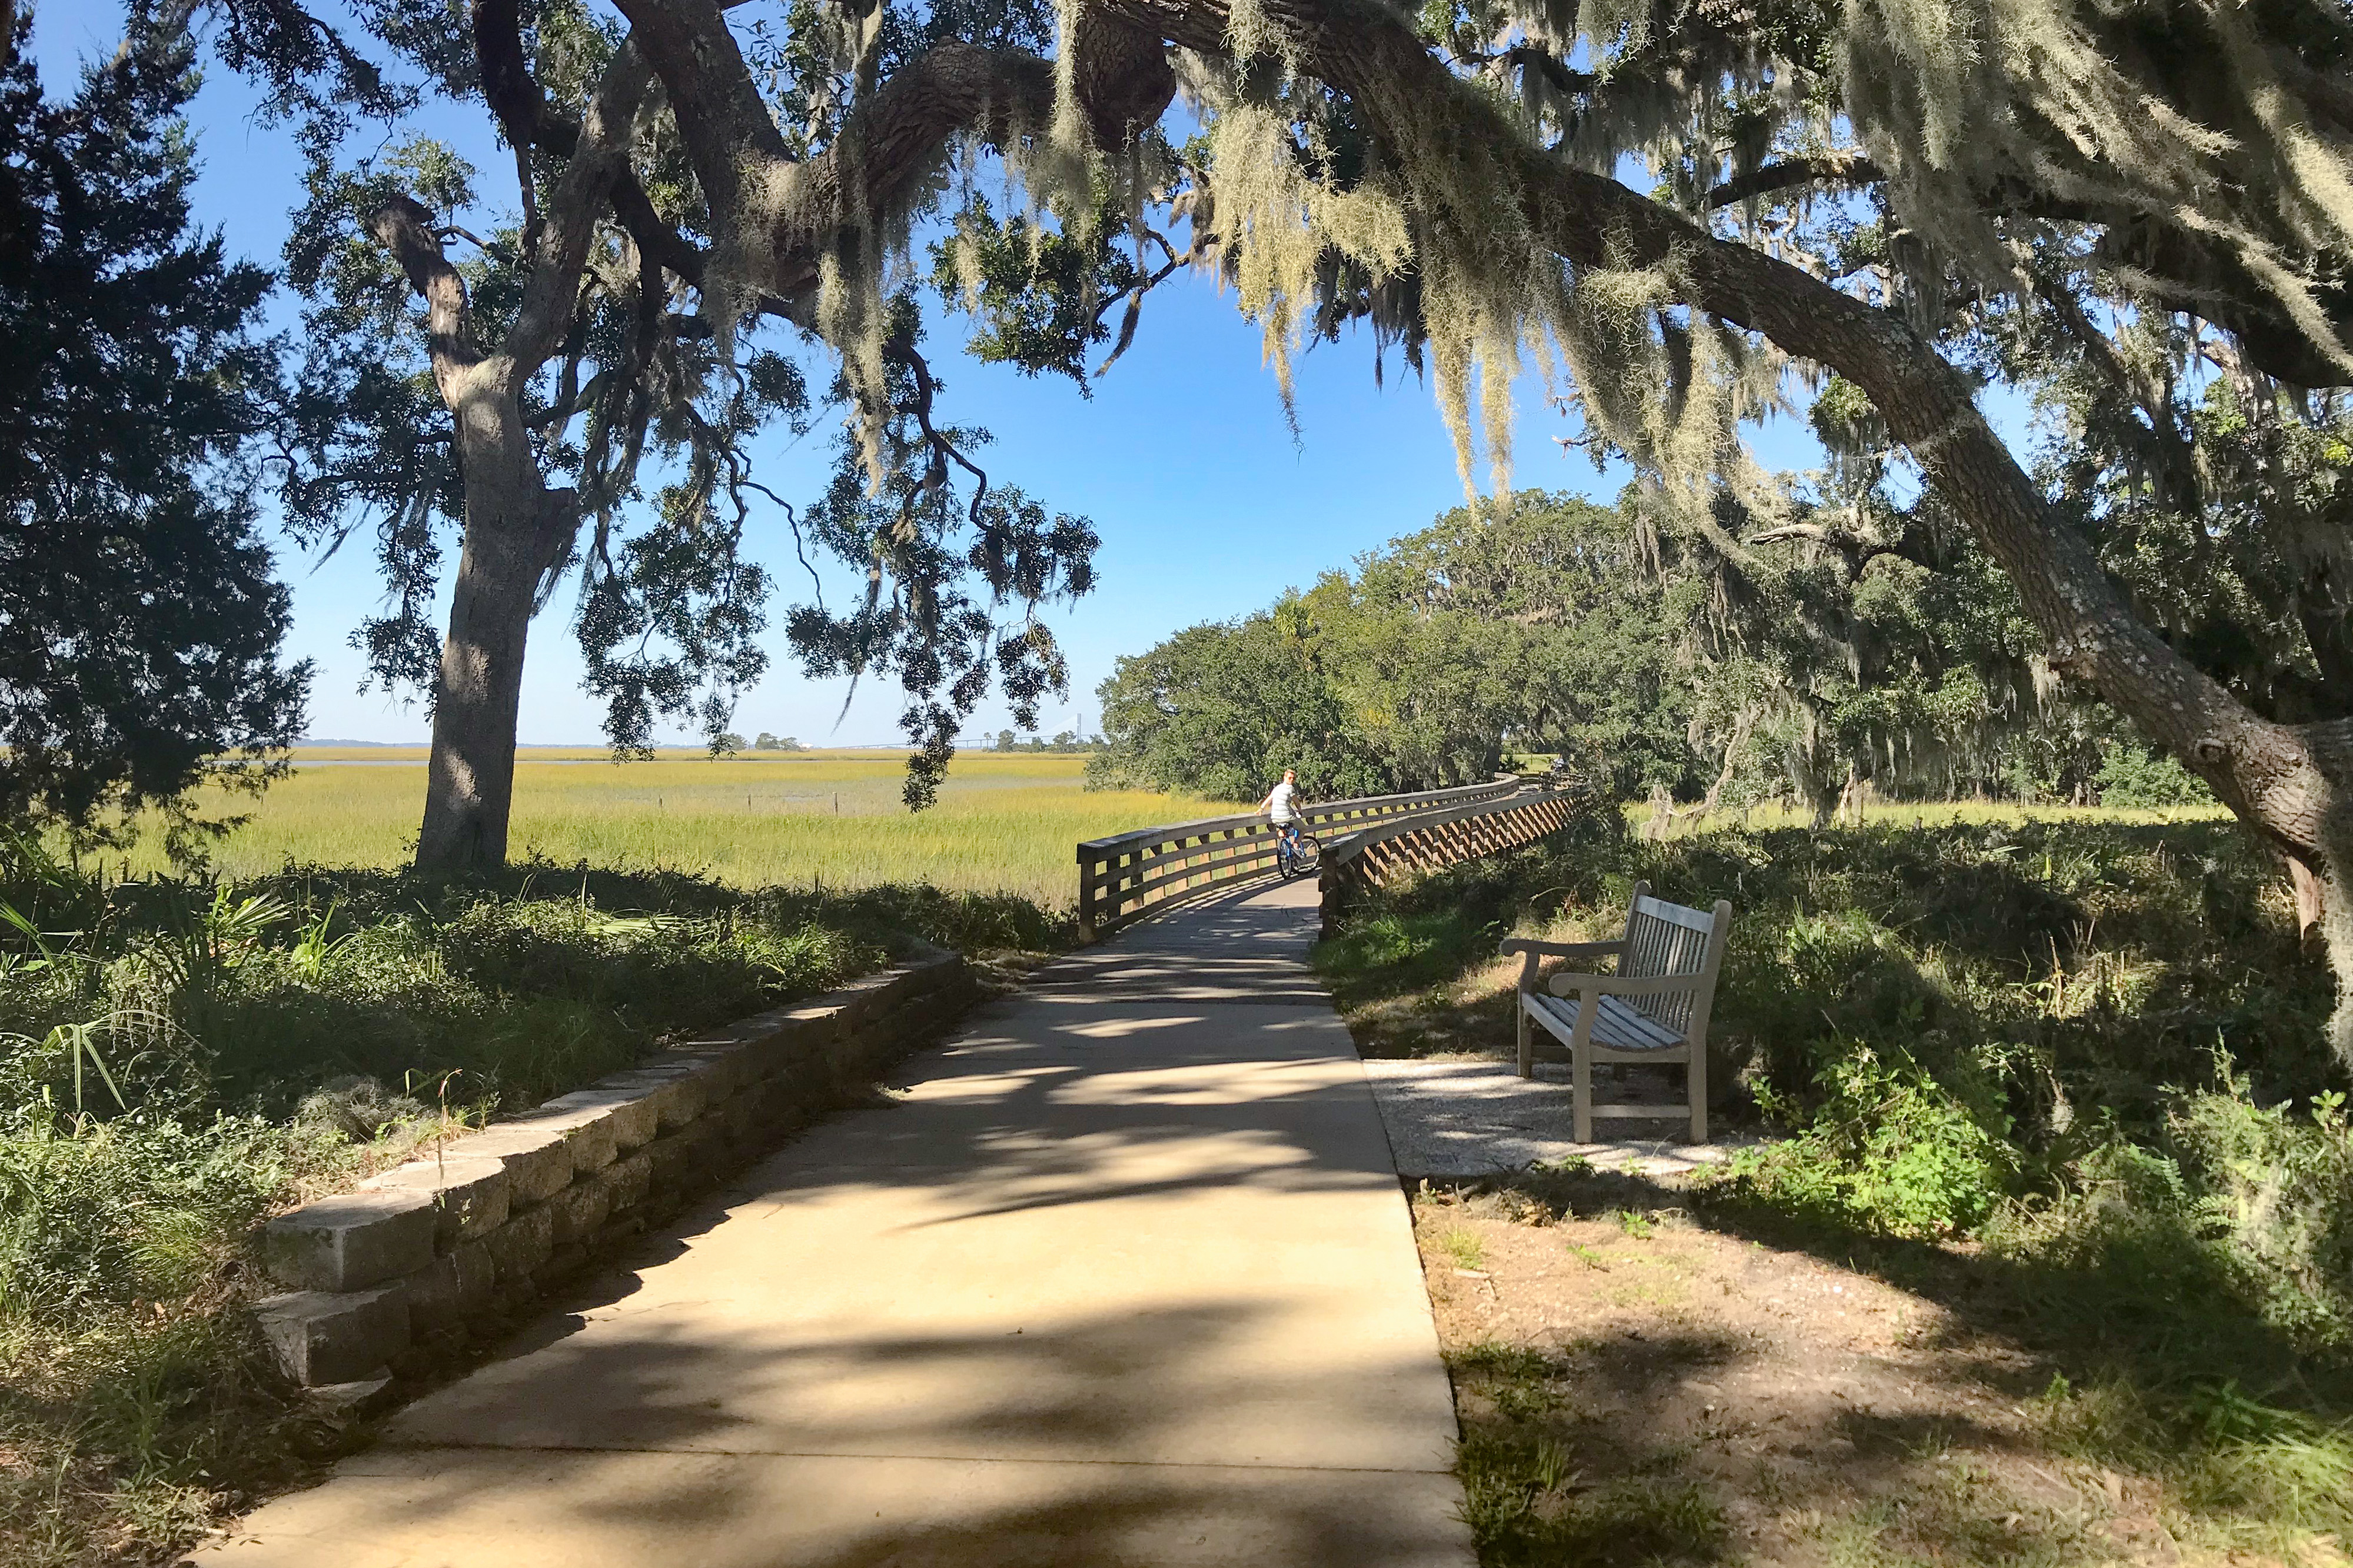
390,1278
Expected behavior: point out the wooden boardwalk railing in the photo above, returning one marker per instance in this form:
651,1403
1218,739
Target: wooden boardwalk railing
1129,875
1377,855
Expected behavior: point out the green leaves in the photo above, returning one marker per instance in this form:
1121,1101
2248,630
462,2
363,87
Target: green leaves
1038,293
1538,629
140,620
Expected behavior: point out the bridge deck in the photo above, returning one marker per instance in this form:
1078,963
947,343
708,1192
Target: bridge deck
1124,1277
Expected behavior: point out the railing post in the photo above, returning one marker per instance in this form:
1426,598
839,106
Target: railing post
1086,897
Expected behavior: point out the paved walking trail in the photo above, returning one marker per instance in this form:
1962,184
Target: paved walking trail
1125,1277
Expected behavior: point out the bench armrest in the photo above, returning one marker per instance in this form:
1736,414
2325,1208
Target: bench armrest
1535,951
1512,944
1619,986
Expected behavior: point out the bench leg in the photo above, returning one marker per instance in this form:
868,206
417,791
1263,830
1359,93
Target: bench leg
1695,1090
1580,1096
1527,1042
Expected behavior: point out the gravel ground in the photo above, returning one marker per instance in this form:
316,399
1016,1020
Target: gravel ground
1476,1116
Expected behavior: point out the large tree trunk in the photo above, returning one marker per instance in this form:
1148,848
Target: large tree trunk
516,530
478,697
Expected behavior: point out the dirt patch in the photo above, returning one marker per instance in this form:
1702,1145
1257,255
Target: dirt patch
1635,1387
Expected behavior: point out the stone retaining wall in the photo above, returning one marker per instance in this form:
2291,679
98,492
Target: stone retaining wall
391,1279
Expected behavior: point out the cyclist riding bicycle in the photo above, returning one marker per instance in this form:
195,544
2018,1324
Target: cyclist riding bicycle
1281,808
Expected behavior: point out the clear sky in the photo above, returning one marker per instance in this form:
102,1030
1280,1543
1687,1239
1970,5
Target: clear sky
1206,506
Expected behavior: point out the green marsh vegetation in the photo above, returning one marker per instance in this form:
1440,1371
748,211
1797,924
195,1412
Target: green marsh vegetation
180,1059
1003,822
2068,1079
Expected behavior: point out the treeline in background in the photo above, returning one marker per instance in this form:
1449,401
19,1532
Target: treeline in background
1658,658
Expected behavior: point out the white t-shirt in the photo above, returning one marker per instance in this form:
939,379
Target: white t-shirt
1279,804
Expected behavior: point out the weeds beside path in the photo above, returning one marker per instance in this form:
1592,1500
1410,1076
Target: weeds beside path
2049,1260
1644,1377
178,1061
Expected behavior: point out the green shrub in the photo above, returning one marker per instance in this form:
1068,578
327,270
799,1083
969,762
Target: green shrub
2279,1188
139,1209
2133,775
1413,950
2228,1240
1886,1148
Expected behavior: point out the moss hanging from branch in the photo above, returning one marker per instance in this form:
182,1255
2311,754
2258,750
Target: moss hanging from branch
2184,117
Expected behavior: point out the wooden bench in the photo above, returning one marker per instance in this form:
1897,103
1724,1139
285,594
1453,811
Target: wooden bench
1653,1010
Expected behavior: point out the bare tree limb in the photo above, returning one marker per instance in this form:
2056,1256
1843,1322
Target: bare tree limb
1826,168
569,223
402,227
942,449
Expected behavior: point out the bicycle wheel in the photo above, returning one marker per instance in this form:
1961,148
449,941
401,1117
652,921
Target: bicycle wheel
1307,855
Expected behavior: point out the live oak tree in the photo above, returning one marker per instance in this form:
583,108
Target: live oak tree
140,621
585,391
1221,710
1453,177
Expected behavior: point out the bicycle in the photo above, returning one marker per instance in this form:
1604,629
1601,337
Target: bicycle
1295,853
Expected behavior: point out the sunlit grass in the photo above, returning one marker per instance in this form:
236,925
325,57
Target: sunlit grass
832,819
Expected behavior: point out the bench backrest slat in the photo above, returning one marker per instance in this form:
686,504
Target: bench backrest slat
1668,938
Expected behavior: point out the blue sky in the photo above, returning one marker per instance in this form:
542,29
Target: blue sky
1206,506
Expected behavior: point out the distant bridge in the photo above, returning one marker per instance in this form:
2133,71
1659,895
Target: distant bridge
1367,842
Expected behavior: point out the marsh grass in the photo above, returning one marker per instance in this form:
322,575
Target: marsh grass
1005,823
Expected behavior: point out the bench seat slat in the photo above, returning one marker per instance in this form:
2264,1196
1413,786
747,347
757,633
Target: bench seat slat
1616,1026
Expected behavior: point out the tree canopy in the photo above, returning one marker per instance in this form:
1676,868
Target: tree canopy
1687,214
140,618
1566,627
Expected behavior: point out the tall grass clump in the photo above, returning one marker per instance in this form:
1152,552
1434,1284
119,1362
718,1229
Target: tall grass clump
181,1058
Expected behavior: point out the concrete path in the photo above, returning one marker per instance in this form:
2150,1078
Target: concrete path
1125,1277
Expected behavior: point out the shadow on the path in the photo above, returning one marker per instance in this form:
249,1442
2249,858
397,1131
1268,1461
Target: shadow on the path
1094,1423
1033,1449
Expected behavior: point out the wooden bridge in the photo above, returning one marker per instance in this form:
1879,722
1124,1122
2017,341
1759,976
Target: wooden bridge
1367,842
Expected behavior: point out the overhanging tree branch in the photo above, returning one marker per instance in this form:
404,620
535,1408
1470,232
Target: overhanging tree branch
598,160
2269,773
1785,174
